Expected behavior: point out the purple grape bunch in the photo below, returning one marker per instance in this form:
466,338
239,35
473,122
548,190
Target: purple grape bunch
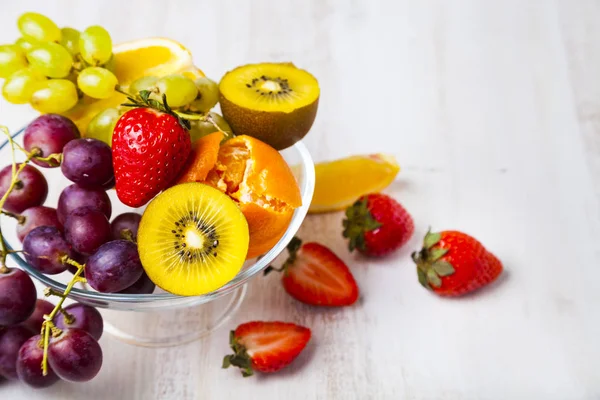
77,231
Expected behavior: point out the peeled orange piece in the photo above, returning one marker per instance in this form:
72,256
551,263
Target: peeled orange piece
203,158
339,183
135,59
258,178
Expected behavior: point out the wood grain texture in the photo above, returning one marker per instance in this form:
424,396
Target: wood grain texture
492,109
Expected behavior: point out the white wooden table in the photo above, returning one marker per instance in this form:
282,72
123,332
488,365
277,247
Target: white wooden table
493,110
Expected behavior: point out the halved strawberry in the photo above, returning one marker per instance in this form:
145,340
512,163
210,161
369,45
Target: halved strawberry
314,275
265,346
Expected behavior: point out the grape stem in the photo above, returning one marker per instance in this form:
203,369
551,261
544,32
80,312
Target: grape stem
20,218
53,160
126,234
48,326
13,183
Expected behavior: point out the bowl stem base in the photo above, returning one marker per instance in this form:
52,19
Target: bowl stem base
172,327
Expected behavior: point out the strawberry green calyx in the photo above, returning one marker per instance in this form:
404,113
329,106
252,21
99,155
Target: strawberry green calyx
358,222
430,267
143,100
240,357
292,248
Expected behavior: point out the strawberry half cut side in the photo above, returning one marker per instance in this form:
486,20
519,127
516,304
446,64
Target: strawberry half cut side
314,275
265,346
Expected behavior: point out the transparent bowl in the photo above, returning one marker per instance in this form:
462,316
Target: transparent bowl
163,319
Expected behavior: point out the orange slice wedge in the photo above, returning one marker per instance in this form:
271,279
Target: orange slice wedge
339,183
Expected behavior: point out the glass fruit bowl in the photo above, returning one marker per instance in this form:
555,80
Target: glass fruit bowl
162,319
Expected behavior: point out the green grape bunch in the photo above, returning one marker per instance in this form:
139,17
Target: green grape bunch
56,68
52,68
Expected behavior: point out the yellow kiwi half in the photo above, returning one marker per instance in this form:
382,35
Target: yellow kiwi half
273,102
192,239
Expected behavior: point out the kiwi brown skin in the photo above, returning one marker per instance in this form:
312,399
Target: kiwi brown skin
278,129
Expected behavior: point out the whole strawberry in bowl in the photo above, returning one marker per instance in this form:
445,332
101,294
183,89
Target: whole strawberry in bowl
377,225
150,146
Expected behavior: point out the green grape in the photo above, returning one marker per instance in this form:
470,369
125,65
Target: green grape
26,43
102,125
208,95
97,82
143,83
179,90
12,59
39,27
50,59
70,40
95,45
203,128
54,96
21,85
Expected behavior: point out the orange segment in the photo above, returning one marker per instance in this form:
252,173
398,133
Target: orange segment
256,175
203,158
339,183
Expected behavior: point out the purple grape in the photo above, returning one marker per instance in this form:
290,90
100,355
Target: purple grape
17,297
74,197
49,133
44,249
124,225
30,190
143,286
29,364
87,162
87,229
85,317
75,355
115,266
35,321
37,216
11,340
110,184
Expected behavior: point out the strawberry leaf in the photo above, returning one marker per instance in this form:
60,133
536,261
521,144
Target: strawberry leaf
422,278
240,358
227,361
436,253
443,268
143,100
433,278
358,222
431,239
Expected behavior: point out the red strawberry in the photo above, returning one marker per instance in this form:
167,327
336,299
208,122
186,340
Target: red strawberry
452,263
314,275
150,147
265,346
376,225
